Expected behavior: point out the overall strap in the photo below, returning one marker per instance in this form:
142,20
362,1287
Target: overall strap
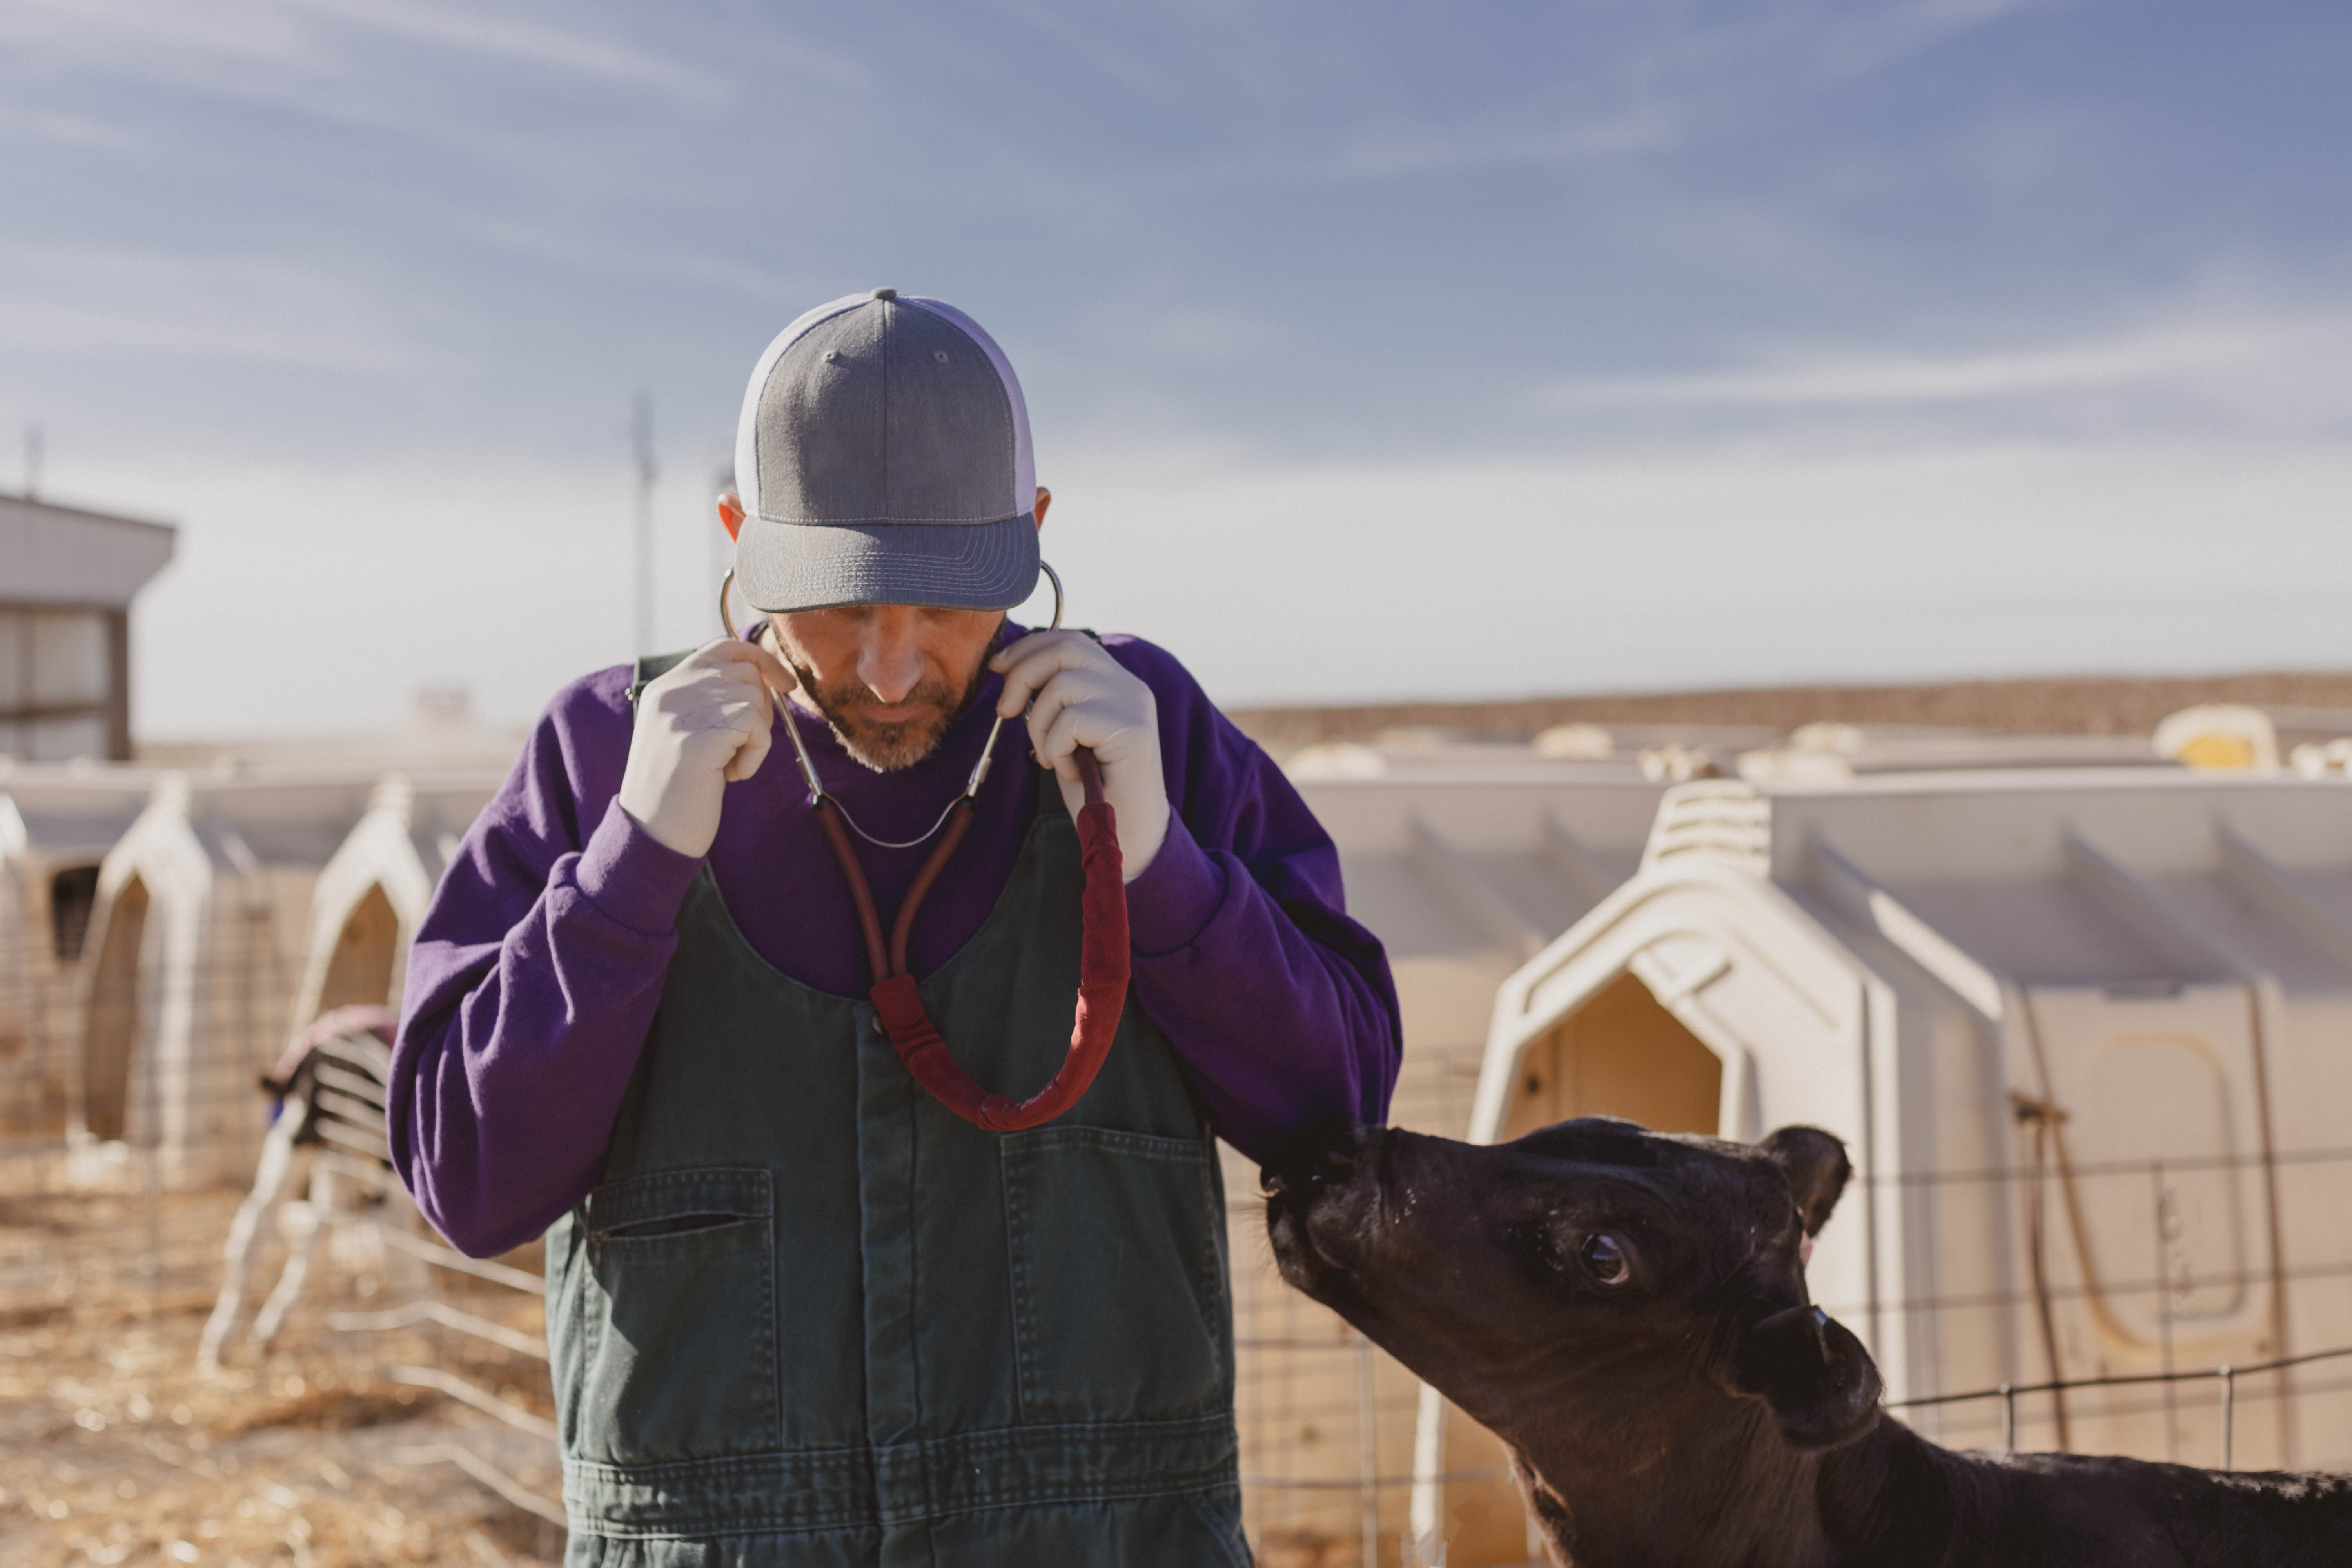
653,666
1050,803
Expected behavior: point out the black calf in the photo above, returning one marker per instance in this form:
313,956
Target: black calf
1627,1310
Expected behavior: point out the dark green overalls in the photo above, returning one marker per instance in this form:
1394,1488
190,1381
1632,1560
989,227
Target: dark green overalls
812,1317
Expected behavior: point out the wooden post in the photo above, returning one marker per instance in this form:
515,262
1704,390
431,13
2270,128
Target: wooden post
118,685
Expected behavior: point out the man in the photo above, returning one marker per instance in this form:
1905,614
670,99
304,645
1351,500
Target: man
801,1312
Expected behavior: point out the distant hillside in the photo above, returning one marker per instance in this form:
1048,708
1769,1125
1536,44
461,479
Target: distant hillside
2302,703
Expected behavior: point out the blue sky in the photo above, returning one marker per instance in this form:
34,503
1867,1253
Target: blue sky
1372,350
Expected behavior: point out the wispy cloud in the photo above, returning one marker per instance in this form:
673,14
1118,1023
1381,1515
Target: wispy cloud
151,37
672,263
65,130
174,39
1396,151
100,301
81,329
1888,36
1155,317
2165,356
467,31
1686,82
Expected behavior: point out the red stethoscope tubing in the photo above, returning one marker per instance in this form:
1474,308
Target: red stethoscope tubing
1103,954
1102,966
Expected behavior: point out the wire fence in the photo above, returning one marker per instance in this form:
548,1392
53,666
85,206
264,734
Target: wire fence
2066,1279
2224,1377
129,1117
132,1122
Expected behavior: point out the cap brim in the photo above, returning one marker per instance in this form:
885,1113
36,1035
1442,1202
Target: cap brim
782,567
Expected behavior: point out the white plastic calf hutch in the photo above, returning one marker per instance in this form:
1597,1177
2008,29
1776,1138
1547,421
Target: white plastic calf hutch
189,968
56,823
371,895
2086,1034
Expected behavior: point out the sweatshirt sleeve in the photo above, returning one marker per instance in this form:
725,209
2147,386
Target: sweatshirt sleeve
531,985
1282,1007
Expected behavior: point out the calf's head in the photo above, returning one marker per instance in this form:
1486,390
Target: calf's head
1593,1288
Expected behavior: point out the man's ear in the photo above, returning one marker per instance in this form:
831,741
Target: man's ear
1816,1167
1822,1386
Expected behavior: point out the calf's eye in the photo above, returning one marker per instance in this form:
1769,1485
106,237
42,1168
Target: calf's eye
1603,1257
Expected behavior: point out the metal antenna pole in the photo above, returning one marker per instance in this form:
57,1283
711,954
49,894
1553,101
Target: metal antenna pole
642,428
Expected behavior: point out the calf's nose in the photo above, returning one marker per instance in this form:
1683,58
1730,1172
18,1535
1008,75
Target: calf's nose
1323,1156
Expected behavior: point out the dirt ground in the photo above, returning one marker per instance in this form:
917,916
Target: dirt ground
113,1451
2057,706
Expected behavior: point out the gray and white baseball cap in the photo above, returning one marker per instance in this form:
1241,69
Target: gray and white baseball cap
883,457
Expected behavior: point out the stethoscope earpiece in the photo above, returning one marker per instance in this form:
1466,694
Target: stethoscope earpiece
1055,578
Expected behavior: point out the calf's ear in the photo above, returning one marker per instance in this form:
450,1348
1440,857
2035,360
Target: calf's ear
1816,1167
1822,1386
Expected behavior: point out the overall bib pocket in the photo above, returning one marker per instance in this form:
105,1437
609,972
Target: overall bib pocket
675,1292
1118,1290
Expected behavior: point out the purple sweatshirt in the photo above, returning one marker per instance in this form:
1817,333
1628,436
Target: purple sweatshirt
534,977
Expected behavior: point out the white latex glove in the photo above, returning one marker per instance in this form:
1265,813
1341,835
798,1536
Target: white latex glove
699,727
1077,695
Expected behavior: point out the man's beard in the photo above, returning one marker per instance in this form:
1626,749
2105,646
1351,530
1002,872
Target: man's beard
887,748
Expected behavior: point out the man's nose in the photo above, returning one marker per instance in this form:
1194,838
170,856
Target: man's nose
891,664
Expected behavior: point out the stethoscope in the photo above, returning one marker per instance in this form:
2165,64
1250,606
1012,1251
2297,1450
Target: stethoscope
1103,945
817,792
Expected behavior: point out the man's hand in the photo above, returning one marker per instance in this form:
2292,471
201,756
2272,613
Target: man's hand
701,727
1077,695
